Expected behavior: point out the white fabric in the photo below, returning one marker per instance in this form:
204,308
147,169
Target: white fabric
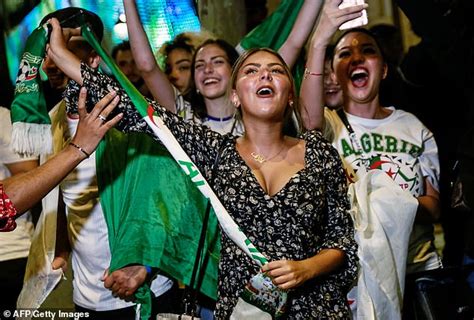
14,244
232,125
185,111
244,310
31,138
88,236
383,216
40,278
406,150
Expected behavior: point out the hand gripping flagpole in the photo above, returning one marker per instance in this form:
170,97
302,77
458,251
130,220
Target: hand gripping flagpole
166,137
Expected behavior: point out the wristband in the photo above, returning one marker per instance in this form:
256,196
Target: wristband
309,73
80,149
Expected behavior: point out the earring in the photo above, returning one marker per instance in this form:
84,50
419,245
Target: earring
198,92
291,103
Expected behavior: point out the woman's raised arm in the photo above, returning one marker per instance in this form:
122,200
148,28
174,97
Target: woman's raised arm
155,79
312,87
302,27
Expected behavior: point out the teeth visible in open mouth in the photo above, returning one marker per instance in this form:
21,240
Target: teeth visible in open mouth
209,81
357,74
264,91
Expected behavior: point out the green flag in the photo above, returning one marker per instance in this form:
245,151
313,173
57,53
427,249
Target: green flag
273,32
153,211
31,132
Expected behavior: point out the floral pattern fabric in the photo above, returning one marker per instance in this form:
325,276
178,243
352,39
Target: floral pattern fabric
308,214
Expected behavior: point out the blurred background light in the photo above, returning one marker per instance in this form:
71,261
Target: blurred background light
162,21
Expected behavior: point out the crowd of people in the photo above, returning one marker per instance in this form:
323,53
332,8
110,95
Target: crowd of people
287,166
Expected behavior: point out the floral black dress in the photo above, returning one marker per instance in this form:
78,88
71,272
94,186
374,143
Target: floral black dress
308,214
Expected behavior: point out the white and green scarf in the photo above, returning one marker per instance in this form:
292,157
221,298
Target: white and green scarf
31,133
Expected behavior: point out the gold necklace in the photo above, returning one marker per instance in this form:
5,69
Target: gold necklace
260,158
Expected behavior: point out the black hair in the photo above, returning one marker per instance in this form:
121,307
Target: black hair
329,52
123,46
390,39
72,18
181,41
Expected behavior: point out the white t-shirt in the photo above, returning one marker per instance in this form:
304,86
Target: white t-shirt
406,150
88,236
223,126
15,244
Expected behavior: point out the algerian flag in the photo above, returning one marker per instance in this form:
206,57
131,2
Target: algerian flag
31,133
273,32
154,213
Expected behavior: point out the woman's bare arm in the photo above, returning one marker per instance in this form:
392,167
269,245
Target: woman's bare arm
312,87
300,31
155,79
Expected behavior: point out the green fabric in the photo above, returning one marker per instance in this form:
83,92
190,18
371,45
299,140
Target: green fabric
135,96
153,210
29,104
273,32
151,206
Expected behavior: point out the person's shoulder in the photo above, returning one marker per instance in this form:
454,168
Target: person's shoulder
406,117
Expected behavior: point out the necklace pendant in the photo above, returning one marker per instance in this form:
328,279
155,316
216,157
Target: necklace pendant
258,157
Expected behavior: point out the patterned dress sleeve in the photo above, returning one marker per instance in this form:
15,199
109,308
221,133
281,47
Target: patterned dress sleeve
7,212
199,142
338,228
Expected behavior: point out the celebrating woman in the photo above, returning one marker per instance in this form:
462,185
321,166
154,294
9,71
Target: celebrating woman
383,138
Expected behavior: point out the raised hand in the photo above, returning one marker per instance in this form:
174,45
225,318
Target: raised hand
57,50
332,18
93,126
59,37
